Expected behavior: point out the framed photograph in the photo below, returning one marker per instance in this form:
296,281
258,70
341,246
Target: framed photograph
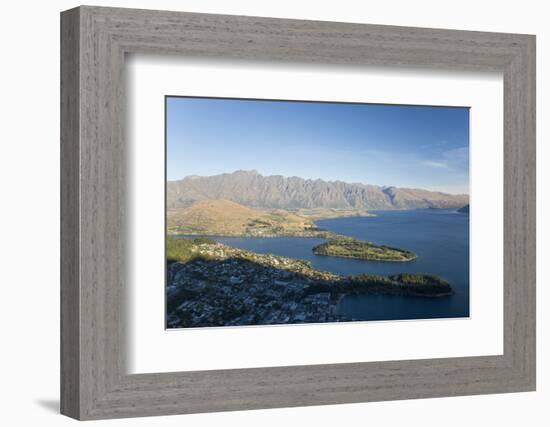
285,242
262,213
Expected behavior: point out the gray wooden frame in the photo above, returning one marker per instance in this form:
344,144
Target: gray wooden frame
94,382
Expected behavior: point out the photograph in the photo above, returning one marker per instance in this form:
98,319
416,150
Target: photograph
267,213
289,212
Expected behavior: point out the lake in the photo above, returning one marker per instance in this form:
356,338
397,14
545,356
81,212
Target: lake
439,237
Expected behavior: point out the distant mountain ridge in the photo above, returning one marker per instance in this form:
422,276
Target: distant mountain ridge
252,189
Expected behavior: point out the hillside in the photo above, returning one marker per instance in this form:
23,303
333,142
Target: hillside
249,188
227,218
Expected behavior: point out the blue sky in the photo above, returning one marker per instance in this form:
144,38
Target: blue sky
404,146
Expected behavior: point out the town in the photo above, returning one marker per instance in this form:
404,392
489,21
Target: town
210,284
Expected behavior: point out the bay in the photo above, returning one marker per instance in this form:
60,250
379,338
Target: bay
439,237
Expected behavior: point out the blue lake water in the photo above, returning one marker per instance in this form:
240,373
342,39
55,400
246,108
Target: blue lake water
440,238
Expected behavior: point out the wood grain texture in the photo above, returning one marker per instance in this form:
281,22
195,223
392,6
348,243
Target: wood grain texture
70,264
94,272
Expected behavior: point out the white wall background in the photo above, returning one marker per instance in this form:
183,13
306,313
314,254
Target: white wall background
29,238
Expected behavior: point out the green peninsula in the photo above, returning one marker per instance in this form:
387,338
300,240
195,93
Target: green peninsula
345,247
227,218
211,284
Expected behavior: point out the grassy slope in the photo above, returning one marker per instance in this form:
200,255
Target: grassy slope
224,217
185,250
227,218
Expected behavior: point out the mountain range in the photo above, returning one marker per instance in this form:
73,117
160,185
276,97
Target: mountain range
251,189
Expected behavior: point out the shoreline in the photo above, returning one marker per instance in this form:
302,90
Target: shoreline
319,233
329,237
252,288
366,259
